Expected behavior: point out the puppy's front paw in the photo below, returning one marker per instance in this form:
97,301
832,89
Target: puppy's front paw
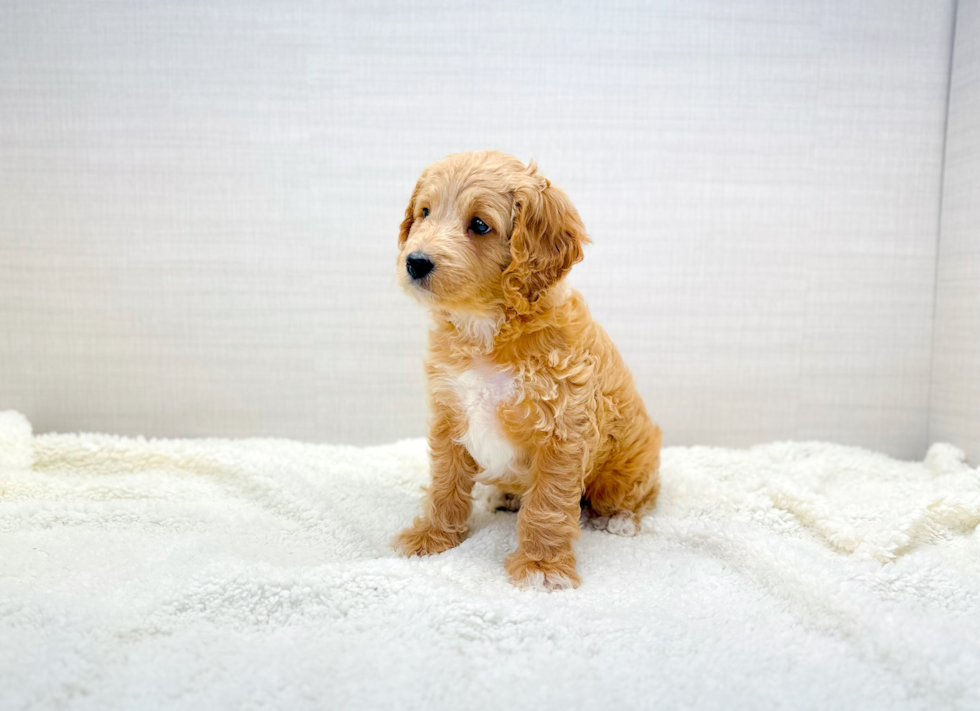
541,575
421,538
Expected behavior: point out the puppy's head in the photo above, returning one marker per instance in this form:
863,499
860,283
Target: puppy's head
483,232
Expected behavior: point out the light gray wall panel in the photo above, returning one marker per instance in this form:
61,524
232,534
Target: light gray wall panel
956,352
199,204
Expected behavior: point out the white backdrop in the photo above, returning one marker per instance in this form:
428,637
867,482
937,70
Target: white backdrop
199,205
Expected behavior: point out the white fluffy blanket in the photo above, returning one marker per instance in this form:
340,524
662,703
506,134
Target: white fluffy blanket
258,574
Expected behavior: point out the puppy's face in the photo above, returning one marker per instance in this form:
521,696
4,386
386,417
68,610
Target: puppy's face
455,247
482,232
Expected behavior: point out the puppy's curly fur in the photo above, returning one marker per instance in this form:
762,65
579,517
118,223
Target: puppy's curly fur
527,391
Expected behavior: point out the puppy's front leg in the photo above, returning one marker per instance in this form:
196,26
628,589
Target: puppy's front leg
448,501
547,524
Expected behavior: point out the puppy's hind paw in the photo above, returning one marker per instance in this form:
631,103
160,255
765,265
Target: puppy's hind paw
508,502
621,523
497,500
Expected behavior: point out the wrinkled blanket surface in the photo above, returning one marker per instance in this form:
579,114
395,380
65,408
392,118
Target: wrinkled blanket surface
220,574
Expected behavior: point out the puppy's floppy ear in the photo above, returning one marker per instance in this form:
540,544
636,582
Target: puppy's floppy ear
546,241
409,215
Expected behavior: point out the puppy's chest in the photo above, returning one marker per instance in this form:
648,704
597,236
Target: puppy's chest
481,390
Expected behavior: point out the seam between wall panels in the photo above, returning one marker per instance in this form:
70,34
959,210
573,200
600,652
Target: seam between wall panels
939,225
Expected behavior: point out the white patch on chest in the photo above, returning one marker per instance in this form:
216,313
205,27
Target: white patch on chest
481,390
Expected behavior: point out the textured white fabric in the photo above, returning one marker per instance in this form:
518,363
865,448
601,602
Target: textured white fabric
258,574
199,205
955,413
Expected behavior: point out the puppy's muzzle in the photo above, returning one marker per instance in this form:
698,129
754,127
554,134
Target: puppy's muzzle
418,265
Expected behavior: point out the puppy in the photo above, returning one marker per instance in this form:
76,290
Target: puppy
527,391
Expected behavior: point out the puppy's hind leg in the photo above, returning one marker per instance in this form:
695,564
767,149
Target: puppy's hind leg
619,495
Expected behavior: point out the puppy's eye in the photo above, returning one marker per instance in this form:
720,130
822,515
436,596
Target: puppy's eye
479,226
425,212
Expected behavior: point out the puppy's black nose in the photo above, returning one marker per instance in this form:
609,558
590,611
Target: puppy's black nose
418,265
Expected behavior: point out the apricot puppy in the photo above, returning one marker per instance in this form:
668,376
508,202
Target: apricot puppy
527,391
